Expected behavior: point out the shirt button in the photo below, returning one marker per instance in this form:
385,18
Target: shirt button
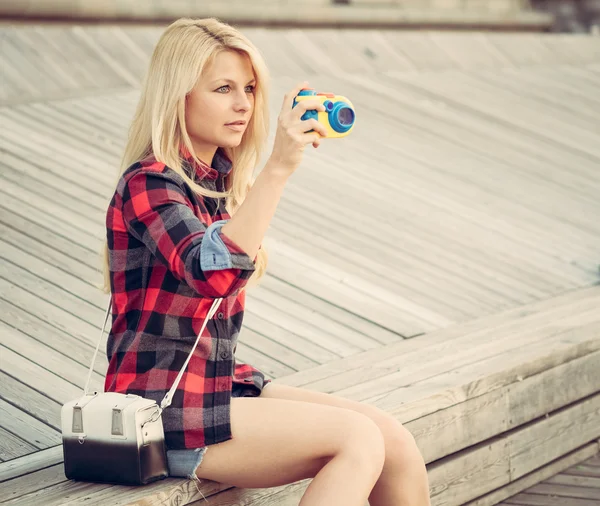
224,354
220,316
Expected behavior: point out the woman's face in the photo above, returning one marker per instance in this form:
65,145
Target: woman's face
223,94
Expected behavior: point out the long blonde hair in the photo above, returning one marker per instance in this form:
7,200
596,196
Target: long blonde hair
184,50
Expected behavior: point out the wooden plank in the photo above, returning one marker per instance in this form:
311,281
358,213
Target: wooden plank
34,403
58,362
89,273
45,382
448,300
28,271
529,124
308,329
594,461
29,324
292,358
24,466
347,290
520,484
106,122
565,491
36,480
457,113
259,324
57,493
581,481
11,52
370,381
40,217
410,235
34,227
12,446
438,111
333,312
66,213
54,315
45,72
54,42
558,434
70,168
271,366
583,470
100,52
268,301
443,300
564,430
509,321
27,427
46,148
483,374
81,315
544,500
481,417
17,169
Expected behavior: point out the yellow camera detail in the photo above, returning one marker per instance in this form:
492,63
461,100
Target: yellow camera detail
339,116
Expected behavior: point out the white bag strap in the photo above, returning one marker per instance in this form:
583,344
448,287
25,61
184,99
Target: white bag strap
166,402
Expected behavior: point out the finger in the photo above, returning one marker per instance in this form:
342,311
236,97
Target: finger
288,99
307,105
313,124
309,138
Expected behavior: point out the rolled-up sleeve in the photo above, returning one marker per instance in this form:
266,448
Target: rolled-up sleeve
219,252
157,212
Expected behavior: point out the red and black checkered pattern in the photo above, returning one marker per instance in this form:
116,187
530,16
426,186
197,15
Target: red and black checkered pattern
168,262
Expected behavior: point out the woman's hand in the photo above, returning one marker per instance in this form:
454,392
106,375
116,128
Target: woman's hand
291,136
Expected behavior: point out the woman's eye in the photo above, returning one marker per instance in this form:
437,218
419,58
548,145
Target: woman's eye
227,86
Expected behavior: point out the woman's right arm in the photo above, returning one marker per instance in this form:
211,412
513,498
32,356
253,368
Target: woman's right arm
248,226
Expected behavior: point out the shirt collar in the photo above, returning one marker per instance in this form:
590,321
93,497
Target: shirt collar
220,164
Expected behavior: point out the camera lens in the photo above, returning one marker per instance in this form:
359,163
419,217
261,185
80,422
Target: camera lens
346,116
341,117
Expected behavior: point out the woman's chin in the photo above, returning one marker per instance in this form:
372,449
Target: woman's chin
231,143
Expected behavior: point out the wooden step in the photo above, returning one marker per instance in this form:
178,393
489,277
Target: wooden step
493,400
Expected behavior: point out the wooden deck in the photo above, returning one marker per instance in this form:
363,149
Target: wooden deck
455,274
578,485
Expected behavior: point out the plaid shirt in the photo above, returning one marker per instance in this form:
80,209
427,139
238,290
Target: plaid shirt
168,262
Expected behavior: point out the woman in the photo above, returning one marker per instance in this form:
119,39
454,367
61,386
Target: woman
185,227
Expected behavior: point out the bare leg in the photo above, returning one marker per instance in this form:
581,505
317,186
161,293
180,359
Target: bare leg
403,480
276,442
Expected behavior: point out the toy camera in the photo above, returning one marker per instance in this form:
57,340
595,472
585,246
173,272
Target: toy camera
338,116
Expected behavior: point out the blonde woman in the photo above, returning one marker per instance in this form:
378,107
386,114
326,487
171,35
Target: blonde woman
184,227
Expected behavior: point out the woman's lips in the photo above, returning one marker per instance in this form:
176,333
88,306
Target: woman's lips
237,128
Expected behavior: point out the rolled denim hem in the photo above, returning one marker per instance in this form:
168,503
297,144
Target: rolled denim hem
183,463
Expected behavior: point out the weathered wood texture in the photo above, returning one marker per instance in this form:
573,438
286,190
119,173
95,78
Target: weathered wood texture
522,398
490,14
462,212
577,485
47,62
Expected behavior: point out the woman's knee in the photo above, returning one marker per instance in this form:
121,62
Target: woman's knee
400,445
363,441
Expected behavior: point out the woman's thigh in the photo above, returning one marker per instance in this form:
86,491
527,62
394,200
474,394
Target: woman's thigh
277,391
276,442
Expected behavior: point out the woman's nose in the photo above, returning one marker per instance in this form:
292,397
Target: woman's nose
242,102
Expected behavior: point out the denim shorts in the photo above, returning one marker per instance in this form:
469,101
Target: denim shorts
183,463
